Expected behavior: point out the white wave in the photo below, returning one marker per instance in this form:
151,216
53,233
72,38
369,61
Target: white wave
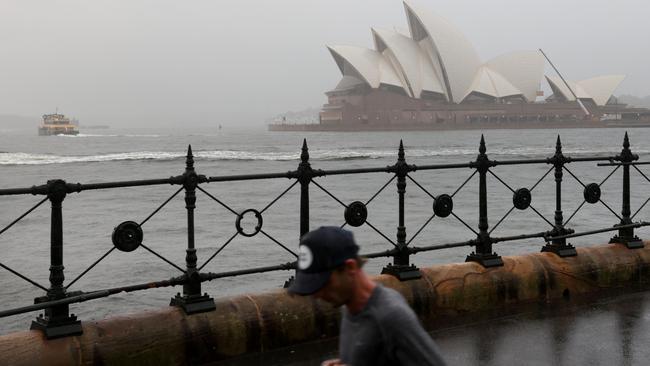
19,158
108,135
43,159
246,155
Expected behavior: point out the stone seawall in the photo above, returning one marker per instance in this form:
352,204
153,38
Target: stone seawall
255,323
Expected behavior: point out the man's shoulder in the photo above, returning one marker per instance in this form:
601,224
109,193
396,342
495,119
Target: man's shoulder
389,302
393,314
389,295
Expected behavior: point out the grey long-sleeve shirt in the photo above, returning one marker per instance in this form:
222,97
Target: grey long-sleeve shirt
386,332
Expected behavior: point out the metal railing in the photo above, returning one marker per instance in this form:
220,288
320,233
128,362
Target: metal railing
56,320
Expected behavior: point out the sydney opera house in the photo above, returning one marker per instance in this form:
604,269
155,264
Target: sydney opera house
431,77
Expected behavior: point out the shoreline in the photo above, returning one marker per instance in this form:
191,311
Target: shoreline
357,127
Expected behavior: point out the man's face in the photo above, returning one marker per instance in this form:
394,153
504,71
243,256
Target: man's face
339,289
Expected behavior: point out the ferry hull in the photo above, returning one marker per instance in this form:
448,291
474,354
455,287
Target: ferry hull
56,124
52,132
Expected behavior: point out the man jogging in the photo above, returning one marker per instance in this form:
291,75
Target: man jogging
378,327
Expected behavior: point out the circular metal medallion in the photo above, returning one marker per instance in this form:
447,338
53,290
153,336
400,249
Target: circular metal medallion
443,205
356,214
127,236
258,227
521,198
592,193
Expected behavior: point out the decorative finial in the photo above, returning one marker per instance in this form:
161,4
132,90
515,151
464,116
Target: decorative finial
481,148
558,145
400,151
189,159
626,142
304,155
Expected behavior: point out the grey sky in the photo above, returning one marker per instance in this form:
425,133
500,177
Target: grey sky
149,62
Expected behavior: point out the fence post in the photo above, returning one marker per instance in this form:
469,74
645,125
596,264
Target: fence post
626,236
559,246
55,321
304,174
400,267
191,301
483,252
304,177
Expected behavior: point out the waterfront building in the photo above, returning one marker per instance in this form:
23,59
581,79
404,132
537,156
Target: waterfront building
431,77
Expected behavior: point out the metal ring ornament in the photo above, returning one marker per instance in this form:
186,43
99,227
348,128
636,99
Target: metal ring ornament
356,214
521,198
258,227
443,205
592,193
127,236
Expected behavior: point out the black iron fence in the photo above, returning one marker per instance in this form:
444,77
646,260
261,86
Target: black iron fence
56,320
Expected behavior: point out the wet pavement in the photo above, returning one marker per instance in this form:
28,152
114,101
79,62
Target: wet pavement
611,331
614,331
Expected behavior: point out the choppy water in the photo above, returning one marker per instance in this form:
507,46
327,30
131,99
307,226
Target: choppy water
89,217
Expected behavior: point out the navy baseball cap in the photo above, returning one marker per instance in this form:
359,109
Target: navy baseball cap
321,251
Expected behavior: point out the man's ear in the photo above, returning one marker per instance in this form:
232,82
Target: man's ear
351,264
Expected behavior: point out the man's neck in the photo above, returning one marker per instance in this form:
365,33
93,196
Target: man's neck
362,292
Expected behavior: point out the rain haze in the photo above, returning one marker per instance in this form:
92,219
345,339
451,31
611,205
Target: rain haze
236,63
423,145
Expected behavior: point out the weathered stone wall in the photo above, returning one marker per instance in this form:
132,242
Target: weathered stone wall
260,322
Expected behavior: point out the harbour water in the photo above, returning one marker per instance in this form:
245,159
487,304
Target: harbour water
132,154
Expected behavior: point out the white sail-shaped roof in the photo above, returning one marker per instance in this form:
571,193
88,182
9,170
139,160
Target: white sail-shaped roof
524,69
598,89
437,58
365,63
456,56
559,87
601,88
348,82
491,83
411,61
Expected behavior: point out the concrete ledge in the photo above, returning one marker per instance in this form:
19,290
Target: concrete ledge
261,322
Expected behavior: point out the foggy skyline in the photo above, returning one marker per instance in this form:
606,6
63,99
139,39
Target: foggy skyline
147,63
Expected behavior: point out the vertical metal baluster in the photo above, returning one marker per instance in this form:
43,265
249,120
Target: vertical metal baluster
401,259
304,176
401,268
483,252
55,322
191,301
559,246
626,236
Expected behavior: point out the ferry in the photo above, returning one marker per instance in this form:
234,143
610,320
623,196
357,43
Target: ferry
57,124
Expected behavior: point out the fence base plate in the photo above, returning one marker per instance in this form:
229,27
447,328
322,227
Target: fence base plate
402,272
486,260
630,243
563,251
57,329
193,304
